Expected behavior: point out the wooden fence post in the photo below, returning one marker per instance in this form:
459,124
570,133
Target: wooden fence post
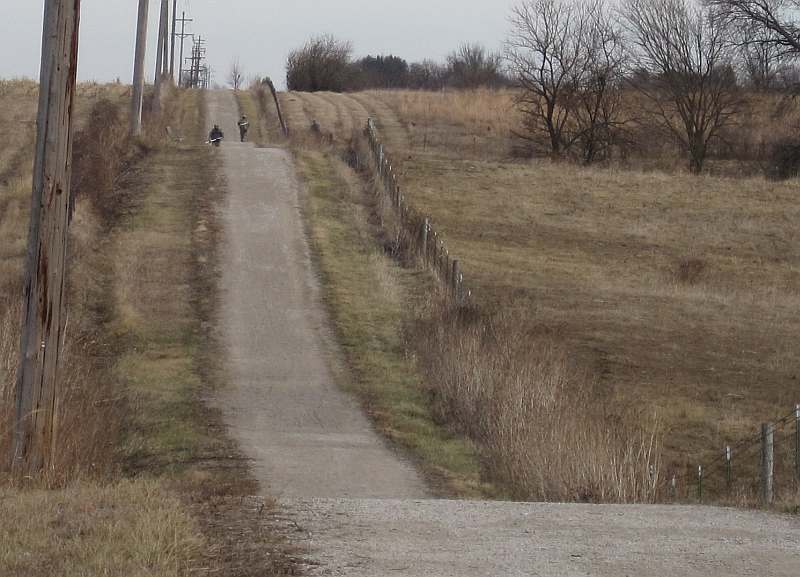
424,241
767,463
36,394
284,128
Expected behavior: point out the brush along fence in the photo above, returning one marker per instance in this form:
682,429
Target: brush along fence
429,244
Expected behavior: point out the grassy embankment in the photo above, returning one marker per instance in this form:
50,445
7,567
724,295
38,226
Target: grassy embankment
675,293
168,496
368,297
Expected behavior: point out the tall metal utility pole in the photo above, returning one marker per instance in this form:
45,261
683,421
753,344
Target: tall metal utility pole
197,56
172,40
183,20
138,69
36,394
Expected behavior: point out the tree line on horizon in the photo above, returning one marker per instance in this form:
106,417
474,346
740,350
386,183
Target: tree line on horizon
585,71
325,63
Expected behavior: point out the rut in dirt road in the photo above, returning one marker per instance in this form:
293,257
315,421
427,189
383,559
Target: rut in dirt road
306,437
359,509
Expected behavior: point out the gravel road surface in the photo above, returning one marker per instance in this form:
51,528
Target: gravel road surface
307,438
361,510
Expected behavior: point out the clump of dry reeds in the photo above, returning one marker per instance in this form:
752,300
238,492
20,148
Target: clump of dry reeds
547,430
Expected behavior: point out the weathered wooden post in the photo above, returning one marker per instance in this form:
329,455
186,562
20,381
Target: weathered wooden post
36,394
284,127
767,463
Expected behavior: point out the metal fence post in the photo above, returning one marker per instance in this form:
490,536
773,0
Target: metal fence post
700,482
767,463
728,467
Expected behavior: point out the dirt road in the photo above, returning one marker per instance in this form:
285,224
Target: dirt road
360,509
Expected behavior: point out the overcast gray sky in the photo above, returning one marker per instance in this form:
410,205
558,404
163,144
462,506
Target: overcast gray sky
259,32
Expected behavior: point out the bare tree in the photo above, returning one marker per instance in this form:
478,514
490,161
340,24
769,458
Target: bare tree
427,75
764,63
692,90
773,21
235,76
600,116
569,60
545,53
472,66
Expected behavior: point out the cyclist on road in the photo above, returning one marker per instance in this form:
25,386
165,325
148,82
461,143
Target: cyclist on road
216,135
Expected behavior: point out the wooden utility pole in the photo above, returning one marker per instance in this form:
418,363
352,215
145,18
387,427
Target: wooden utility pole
138,69
162,39
172,40
36,394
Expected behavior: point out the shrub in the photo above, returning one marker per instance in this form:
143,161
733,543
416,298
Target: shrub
322,64
784,160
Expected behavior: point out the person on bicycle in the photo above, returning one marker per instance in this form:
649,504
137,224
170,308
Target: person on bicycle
216,135
244,125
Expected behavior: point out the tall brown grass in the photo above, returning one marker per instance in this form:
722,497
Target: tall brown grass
547,430
478,109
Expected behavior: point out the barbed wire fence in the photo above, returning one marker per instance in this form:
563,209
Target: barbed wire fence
761,468
424,239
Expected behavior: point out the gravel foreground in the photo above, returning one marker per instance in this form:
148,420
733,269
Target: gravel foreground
406,538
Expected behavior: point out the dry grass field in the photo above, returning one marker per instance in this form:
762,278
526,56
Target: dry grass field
678,293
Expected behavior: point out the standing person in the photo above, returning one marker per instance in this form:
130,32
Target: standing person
244,125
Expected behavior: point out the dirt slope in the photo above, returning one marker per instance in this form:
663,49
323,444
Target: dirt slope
360,509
